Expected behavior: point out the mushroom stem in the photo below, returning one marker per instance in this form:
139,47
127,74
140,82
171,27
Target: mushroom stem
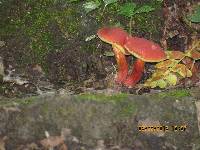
122,65
136,74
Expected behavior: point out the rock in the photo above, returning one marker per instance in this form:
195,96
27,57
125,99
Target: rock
109,119
1,67
195,93
2,43
198,113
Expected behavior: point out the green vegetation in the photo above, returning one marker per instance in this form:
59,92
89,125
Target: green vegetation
16,102
102,97
73,1
124,106
92,5
138,15
130,9
176,94
195,17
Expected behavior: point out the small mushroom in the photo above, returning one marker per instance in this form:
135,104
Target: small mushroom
117,37
145,51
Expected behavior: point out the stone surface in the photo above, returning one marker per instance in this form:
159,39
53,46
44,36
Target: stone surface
112,119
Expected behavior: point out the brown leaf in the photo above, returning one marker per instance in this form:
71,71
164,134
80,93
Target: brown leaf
175,54
182,70
191,64
166,64
195,46
195,55
52,141
63,147
2,143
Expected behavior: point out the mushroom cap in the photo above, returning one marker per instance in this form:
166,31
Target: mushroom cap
115,36
144,49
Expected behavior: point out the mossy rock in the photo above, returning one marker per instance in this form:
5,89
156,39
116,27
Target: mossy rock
93,117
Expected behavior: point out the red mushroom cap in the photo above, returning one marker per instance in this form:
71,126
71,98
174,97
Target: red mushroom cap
115,36
144,49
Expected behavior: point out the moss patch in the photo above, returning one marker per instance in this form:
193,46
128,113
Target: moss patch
176,94
41,22
18,101
124,106
103,98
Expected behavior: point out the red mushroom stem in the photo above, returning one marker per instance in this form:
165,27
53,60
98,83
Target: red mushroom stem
136,74
122,65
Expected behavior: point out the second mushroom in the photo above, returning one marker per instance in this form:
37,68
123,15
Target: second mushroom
145,51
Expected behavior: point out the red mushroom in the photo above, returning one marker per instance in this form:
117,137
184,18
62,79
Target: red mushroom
117,37
145,51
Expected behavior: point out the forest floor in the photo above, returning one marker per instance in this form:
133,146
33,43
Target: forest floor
51,47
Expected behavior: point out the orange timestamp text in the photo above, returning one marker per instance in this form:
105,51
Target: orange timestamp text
157,128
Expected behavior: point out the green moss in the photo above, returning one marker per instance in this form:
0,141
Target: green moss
124,106
21,102
127,109
42,38
103,98
147,23
45,109
176,94
68,21
89,47
42,22
108,13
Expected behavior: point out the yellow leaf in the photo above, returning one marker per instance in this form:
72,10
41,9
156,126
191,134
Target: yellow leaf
151,84
161,83
157,79
157,76
185,72
171,79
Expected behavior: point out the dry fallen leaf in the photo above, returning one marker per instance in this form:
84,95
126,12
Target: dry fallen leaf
195,55
2,142
182,70
52,141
